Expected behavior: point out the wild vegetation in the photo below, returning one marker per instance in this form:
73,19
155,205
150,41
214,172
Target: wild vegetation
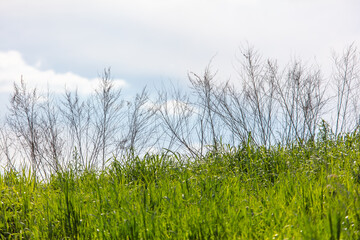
299,192
272,155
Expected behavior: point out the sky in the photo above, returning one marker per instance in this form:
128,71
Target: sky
67,44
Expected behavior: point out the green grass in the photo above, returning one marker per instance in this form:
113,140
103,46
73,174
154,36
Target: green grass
304,191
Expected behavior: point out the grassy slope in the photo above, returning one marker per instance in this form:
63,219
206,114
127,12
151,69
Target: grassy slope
308,192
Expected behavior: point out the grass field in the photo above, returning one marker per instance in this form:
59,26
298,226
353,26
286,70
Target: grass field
305,191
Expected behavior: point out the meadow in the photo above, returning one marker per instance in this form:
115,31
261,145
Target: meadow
306,190
273,154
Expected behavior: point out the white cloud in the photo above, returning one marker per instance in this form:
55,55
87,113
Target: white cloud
171,37
13,68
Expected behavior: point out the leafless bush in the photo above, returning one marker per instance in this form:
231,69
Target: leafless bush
107,111
53,142
177,113
233,113
346,81
208,122
141,124
24,121
301,96
6,149
258,94
76,113
266,104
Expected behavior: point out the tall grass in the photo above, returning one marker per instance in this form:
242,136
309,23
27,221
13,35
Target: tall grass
309,190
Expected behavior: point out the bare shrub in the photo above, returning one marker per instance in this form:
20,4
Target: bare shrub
24,121
266,105
52,148
208,122
346,81
107,110
301,97
141,124
181,121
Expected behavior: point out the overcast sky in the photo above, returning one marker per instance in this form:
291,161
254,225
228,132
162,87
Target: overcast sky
69,42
